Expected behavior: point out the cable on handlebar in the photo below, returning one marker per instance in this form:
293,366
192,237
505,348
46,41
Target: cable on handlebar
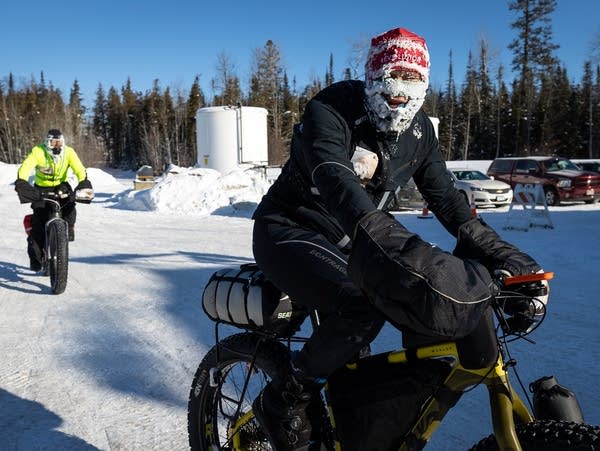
519,314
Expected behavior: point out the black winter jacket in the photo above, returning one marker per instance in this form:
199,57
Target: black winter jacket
414,284
318,187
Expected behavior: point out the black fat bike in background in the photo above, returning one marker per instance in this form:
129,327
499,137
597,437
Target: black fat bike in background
388,401
55,254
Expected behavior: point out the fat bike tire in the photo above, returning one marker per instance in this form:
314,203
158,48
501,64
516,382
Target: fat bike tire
218,405
57,258
550,435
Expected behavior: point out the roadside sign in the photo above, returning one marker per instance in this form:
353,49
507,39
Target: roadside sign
528,209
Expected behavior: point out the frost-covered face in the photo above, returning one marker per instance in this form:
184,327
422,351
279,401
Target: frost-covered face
394,99
55,141
396,79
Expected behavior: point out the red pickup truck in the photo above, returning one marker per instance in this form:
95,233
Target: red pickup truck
560,178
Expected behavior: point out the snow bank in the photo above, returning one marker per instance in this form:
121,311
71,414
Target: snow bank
200,191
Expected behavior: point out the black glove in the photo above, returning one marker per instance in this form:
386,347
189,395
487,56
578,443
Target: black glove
476,240
84,184
26,192
84,192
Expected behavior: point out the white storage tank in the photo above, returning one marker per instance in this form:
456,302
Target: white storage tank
230,137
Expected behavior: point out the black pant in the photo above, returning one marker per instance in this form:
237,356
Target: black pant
37,238
312,271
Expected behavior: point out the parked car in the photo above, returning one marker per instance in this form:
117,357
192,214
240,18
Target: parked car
561,179
480,189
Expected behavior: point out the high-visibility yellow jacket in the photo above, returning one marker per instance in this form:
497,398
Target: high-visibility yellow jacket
51,170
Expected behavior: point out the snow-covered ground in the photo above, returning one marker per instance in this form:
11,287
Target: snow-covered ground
108,364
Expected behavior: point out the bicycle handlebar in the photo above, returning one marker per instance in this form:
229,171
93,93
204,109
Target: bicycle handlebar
536,277
520,305
84,196
51,195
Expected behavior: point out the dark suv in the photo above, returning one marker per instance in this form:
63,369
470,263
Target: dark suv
561,179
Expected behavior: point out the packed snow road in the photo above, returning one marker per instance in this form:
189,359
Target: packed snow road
108,364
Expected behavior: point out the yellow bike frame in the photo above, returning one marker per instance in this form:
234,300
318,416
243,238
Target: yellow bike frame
505,403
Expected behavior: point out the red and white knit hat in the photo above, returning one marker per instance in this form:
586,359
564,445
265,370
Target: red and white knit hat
397,49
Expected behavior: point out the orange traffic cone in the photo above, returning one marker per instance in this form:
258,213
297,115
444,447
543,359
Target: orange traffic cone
425,212
473,210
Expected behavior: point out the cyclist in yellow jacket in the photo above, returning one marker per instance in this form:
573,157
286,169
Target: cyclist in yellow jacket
51,161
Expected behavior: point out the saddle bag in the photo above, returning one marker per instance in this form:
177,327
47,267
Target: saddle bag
243,297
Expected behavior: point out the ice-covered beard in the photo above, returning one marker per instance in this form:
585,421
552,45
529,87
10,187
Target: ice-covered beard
386,118
56,157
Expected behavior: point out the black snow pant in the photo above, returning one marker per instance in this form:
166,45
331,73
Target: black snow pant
37,238
313,272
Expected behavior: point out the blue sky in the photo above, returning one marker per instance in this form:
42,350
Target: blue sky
107,42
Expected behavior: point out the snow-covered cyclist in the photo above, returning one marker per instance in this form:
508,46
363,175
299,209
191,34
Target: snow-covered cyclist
323,235
50,161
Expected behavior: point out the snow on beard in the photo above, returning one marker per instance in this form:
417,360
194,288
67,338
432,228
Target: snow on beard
396,50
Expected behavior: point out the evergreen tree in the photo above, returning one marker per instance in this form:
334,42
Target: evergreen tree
595,138
11,84
485,135
587,122
266,92
532,49
149,124
195,101
504,124
132,132
562,131
116,129
168,129
100,124
468,108
329,77
76,115
448,108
